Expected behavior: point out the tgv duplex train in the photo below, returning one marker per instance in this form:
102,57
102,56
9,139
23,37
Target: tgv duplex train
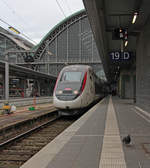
75,89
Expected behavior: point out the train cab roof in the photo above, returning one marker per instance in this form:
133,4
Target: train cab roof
76,67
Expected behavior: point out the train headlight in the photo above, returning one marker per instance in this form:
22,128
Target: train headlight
59,92
76,92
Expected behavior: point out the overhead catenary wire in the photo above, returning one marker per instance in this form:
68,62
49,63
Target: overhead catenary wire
19,31
68,6
60,8
14,12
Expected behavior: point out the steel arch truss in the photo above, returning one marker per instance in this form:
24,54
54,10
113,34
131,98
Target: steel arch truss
56,32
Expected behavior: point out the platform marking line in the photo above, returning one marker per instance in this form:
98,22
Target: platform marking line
142,115
112,155
142,111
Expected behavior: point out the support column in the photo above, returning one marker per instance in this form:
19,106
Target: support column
6,80
80,41
24,88
39,88
67,45
92,50
56,49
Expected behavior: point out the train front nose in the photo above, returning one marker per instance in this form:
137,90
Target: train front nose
67,97
69,88
68,93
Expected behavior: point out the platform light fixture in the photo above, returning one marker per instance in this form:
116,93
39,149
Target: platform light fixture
126,43
134,17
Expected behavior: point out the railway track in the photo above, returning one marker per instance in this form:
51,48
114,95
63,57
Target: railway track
16,151
20,125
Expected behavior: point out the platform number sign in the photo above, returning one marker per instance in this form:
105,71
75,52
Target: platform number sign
120,56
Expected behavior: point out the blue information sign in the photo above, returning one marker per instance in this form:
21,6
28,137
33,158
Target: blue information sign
120,56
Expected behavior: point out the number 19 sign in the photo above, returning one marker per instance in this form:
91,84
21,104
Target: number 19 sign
120,56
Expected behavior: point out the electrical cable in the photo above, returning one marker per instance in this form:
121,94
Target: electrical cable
13,12
20,32
68,6
60,8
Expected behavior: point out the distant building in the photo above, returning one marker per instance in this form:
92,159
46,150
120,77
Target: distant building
12,42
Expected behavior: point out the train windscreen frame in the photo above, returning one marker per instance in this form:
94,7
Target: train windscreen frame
71,76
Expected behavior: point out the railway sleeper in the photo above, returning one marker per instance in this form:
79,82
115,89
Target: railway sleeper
24,147
10,164
37,141
19,152
8,157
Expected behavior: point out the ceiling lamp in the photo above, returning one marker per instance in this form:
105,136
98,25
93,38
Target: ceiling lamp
134,17
126,43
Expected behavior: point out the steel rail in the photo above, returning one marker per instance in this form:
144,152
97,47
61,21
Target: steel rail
27,133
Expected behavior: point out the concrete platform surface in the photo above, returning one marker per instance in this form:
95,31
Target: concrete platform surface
95,140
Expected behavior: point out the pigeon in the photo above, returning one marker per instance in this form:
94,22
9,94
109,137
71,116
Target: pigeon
126,140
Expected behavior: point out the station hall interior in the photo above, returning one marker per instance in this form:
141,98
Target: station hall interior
102,36
80,98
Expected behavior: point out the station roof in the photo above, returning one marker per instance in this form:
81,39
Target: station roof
56,26
21,42
107,15
23,72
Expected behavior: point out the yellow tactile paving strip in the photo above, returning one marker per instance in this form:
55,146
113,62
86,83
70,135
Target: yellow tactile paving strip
112,155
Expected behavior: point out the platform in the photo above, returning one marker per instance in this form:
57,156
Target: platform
23,113
19,102
95,140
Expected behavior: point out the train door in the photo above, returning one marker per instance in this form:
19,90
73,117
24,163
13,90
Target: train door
86,96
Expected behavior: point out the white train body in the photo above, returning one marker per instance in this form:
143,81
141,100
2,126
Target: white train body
74,89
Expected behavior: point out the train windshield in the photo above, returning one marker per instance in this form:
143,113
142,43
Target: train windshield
71,76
